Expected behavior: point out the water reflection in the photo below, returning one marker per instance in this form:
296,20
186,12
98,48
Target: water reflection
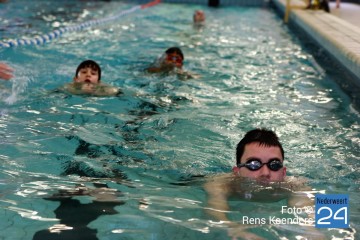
75,216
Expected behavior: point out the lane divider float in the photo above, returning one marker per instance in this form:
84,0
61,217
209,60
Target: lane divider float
38,40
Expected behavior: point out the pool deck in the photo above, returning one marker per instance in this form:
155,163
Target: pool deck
338,32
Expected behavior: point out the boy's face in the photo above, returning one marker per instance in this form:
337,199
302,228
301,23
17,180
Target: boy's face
199,16
264,154
174,59
87,75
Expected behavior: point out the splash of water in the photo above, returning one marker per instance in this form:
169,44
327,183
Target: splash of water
19,85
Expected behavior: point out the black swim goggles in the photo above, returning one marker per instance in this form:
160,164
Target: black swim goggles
254,164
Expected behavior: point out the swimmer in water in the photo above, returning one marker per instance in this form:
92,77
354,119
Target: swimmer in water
259,167
87,81
171,62
199,17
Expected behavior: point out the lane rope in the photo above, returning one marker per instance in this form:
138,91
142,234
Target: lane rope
38,40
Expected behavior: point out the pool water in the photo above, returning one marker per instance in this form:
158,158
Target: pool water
158,142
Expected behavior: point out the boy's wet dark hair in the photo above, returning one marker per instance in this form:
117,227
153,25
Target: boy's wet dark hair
262,136
91,64
175,50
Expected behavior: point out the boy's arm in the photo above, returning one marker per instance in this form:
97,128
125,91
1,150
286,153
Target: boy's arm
217,199
107,90
153,69
160,68
185,75
302,197
299,197
218,194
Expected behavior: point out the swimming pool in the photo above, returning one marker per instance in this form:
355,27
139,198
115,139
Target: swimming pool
156,142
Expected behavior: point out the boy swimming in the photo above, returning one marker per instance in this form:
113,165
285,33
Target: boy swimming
87,81
171,62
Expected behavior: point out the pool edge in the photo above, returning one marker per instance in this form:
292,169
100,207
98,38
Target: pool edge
338,37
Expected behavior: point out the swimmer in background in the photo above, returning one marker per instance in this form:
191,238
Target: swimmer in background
5,72
171,62
260,159
87,81
199,17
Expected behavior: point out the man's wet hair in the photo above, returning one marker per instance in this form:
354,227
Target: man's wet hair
89,64
175,50
262,136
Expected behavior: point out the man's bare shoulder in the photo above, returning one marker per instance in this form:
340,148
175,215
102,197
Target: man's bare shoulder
98,90
297,183
219,179
218,183
220,176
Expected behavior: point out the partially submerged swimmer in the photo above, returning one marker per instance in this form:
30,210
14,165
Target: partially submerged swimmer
87,81
171,62
259,175
199,17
